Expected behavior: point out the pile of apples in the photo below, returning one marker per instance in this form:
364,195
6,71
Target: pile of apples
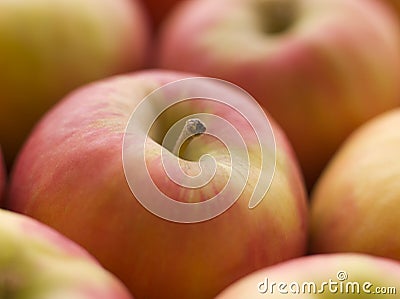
327,74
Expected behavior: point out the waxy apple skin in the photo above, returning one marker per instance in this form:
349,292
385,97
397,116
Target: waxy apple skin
335,67
38,262
48,48
71,168
355,205
359,268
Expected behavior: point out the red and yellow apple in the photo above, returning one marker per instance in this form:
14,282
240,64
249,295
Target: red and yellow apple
321,68
342,276
70,176
48,48
355,205
38,262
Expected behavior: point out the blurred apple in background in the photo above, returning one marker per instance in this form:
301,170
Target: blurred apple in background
326,276
321,68
49,47
38,262
355,206
70,176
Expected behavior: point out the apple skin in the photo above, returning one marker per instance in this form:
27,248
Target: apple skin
355,203
3,178
336,67
48,48
71,168
360,268
38,262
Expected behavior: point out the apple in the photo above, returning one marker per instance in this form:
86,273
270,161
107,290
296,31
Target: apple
340,275
2,178
48,48
355,202
72,176
38,262
321,68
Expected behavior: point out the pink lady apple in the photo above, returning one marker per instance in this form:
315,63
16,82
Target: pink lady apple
355,205
48,48
321,68
72,176
344,276
38,262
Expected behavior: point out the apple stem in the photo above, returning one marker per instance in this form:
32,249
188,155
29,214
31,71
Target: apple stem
277,15
193,127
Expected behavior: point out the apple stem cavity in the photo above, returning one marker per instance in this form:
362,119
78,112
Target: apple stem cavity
277,15
193,127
